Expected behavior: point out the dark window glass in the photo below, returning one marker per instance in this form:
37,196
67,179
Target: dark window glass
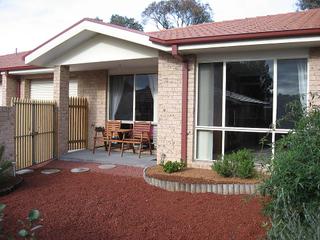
209,145
249,94
292,88
210,94
146,88
121,97
259,143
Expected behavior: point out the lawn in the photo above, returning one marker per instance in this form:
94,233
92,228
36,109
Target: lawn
118,204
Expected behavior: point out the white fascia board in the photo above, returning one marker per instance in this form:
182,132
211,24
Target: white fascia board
250,43
32,71
98,28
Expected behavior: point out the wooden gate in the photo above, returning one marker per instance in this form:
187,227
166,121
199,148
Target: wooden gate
78,123
34,131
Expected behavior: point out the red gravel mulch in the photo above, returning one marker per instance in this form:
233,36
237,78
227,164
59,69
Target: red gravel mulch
118,204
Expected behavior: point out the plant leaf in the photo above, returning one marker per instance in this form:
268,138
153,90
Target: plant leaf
34,214
23,233
2,207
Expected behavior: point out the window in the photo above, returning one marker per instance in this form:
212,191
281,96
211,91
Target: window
133,97
292,86
239,102
249,94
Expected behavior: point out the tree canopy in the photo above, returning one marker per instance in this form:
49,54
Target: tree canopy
308,4
126,22
177,13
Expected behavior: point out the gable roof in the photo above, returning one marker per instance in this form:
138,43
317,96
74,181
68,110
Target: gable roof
272,26
296,24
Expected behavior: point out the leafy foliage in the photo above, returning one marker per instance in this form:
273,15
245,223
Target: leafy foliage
29,226
177,13
126,22
308,4
294,184
4,165
236,164
289,224
170,167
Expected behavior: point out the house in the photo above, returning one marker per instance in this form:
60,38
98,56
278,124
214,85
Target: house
208,89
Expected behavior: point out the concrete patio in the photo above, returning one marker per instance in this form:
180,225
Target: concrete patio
102,157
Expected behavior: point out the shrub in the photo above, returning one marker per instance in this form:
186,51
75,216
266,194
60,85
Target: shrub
294,183
293,225
5,166
170,167
236,164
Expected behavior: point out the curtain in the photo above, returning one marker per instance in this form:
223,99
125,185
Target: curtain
206,95
153,84
116,95
302,78
205,145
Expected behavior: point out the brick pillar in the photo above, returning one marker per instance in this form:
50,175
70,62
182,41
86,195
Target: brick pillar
9,88
169,108
25,88
61,96
314,73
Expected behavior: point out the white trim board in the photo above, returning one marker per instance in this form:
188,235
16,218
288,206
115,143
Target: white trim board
84,31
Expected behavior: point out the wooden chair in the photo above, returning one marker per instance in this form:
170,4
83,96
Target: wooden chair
141,134
110,132
106,134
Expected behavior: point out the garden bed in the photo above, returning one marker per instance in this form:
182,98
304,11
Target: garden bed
10,184
197,176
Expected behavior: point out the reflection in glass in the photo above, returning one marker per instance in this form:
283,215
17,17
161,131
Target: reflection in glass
121,97
249,94
259,143
292,87
210,94
146,90
209,145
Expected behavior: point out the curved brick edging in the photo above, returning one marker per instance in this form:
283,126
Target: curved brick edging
225,189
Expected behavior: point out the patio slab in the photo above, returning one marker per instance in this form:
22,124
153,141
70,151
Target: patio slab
102,157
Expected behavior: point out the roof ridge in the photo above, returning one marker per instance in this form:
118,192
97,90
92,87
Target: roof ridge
17,53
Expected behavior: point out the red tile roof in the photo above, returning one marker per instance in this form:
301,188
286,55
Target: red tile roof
13,62
280,25
273,26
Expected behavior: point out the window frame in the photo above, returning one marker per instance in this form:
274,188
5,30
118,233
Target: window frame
154,122
223,127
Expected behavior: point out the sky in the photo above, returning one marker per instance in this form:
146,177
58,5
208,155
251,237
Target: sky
25,24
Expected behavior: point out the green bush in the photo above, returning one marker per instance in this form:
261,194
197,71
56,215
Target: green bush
236,164
170,167
5,166
294,183
292,225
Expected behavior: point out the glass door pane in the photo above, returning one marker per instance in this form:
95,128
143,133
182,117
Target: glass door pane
121,97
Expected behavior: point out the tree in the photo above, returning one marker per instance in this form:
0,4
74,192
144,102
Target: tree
177,13
308,4
126,22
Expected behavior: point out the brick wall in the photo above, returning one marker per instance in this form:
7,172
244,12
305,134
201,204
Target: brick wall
93,86
314,72
7,126
9,89
170,108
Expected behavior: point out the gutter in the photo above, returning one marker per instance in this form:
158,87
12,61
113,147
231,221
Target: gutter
184,117
238,37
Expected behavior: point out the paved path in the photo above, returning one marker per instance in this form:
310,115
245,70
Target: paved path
102,157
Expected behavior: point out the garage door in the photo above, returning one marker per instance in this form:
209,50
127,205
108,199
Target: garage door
43,89
0,94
